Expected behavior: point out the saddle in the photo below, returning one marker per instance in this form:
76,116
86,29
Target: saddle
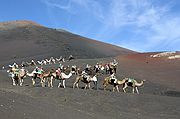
85,78
130,80
112,80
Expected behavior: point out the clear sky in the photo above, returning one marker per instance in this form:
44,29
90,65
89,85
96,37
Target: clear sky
141,25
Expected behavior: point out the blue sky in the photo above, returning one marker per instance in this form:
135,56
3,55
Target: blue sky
140,25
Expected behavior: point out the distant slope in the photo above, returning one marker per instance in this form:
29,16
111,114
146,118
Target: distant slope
22,39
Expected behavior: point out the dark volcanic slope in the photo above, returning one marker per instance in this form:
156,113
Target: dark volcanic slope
20,39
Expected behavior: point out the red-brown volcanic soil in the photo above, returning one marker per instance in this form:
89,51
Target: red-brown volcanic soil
157,70
159,97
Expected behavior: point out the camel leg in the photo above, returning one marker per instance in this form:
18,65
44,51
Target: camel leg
77,85
63,81
59,84
105,85
124,87
13,81
51,81
113,89
33,82
20,82
74,85
95,85
133,90
43,82
117,88
137,90
89,85
85,86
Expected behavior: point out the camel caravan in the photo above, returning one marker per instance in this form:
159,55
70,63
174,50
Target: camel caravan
87,75
46,61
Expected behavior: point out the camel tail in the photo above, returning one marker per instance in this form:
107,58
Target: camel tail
104,81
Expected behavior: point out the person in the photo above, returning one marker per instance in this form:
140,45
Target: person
107,68
87,67
74,69
23,64
115,62
38,71
71,57
95,82
97,68
61,66
113,78
15,69
15,65
84,74
58,73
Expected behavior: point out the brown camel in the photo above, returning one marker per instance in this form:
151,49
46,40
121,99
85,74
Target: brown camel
108,80
43,76
86,80
132,83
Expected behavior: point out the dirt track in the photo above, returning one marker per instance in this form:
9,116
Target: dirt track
155,100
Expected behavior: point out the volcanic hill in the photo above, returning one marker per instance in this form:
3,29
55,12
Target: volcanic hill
22,38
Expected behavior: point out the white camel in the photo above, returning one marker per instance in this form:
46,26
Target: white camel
134,84
40,62
62,77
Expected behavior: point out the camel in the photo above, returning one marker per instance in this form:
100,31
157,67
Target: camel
40,62
33,75
62,78
48,61
45,75
108,80
134,84
60,59
86,80
17,76
52,60
42,76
